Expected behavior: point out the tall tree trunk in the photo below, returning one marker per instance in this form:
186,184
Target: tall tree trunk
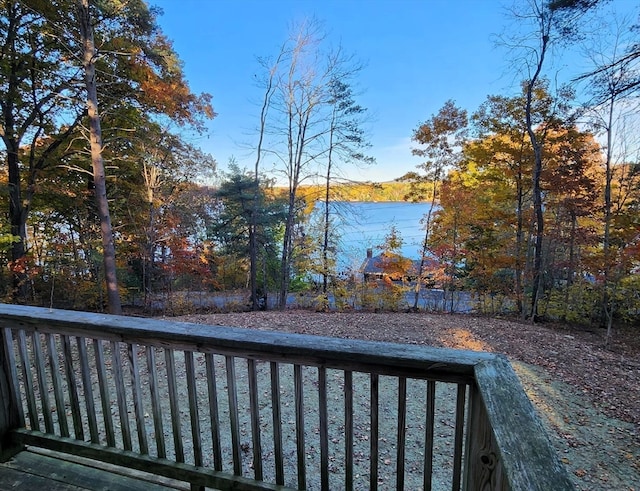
253,226
425,246
572,265
519,249
454,259
537,174
12,144
253,253
607,304
287,252
271,85
520,256
99,178
296,147
148,258
536,290
18,227
327,214
325,238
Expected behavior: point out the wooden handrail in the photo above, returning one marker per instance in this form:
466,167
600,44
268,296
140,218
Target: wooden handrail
527,458
448,365
505,445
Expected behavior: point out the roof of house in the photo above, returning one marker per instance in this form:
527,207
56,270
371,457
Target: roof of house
383,263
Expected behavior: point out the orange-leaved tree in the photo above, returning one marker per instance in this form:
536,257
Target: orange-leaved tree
440,140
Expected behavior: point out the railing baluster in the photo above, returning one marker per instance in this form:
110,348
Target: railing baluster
27,378
348,428
459,433
12,367
324,430
194,414
56,380
176,427
85,372
42,381
255,419
156,408
277,422
72,387
373,458
213,409
429,435
232,393
118,377
105,396
300,446
136,389
193,407
402,423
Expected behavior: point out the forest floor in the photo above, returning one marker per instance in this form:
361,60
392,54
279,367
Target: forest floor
587,395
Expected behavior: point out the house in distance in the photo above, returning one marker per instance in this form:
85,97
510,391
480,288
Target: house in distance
389,266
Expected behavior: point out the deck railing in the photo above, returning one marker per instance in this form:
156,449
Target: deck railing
236,408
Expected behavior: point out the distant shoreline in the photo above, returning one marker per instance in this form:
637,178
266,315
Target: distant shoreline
361,192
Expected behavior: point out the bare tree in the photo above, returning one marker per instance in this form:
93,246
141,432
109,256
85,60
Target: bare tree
544,18
300,111
269,86
611,105
346,142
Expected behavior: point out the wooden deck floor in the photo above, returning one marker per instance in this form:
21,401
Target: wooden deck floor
42,470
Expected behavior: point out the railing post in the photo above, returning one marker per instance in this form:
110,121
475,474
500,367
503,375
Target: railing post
9,405
483,469
509,448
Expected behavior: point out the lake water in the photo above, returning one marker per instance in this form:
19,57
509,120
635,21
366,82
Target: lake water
364,225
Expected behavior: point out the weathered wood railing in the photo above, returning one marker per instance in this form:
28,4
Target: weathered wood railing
243,409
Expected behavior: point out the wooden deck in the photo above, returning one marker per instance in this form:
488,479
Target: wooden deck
40,469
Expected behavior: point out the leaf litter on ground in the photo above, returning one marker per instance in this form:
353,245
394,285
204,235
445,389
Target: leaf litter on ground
587,395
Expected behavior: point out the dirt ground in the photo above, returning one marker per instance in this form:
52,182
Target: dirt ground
588,396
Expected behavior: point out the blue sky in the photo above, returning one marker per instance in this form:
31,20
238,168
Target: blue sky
418,54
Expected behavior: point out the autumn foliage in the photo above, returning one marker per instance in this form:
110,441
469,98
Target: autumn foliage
554,224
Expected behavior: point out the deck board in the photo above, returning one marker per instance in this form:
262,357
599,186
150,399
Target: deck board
53,471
